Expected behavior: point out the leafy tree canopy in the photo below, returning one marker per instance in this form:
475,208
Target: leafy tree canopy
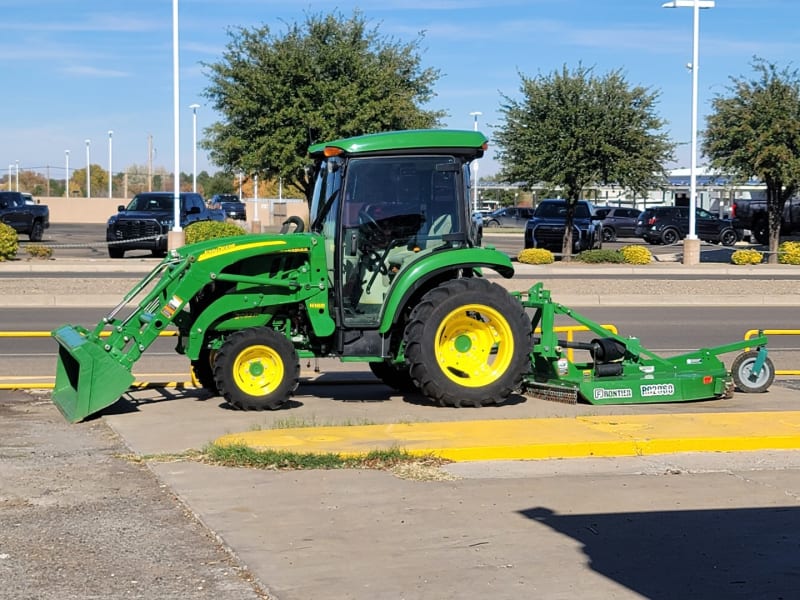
755,131
325,78
572,128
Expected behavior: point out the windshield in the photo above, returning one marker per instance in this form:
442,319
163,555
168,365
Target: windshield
326,189
558,210
151,202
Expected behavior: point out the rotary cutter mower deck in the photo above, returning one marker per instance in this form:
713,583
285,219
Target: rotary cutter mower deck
389,273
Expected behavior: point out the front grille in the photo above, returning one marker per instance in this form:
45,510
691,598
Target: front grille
129,229
548,235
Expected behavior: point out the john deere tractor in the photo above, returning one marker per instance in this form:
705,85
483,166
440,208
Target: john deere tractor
389,273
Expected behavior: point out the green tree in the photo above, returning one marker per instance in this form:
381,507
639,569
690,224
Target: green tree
572,129
326,78
99,182
755,131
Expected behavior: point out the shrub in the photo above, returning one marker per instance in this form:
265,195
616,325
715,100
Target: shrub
39,251
201,231
636,255
789,253
600,256
9,243
747,257
535,256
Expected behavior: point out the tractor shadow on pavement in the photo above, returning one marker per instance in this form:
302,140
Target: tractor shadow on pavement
699,554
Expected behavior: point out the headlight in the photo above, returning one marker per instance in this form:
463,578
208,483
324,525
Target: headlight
166,222
111,221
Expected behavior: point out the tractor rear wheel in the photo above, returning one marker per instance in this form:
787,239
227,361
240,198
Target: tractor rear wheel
257,369
468,343
395,376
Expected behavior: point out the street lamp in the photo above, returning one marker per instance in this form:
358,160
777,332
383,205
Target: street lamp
475,114
691,245
88,171
16,166
176,237
66,173
110,172
194,108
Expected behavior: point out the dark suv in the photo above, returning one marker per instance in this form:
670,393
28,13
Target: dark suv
145,223
230,203
546,227
511,216
618,221
670,224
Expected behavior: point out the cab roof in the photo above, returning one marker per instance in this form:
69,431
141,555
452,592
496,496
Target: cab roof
439,141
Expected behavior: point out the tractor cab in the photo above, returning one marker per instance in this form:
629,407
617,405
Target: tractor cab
381,212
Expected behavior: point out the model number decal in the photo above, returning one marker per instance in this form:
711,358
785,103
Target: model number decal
603,394
658,389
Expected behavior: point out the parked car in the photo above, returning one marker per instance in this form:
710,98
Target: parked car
546,228
618,221
145,223
234,208
477,223
510,216
670,224
24,216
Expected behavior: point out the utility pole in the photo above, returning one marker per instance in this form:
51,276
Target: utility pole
149,162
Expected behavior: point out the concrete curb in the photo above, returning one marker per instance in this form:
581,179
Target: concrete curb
548,438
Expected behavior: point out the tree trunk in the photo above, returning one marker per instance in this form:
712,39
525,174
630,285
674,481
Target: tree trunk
776,199
566,246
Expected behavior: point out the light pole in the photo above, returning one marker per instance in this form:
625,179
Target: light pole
194,108
176,237
691,245
110,172
10,169
475,114
88,171
66,173
16,169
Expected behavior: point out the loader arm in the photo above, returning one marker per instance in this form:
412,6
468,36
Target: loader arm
93,372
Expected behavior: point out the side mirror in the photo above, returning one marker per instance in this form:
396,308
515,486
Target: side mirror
121,208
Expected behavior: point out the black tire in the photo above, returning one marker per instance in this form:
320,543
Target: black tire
203,371
760,231
37,232
670,236
609,235
114,252
728,237
468,343
742,368
395,376
158,253
257,369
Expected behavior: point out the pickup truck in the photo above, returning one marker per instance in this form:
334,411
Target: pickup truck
145,223
752,214
25,217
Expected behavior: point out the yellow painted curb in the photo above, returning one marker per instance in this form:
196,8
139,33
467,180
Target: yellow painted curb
521,439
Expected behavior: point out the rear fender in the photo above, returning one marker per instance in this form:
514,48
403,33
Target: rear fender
418,275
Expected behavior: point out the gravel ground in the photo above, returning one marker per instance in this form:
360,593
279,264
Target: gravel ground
81,521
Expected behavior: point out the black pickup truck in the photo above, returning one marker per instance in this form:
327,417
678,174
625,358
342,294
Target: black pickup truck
145,223
752,214
23,215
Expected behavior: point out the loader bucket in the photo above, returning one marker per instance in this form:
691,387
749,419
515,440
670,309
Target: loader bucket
88,379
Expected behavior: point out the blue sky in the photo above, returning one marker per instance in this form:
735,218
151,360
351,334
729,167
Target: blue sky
71,71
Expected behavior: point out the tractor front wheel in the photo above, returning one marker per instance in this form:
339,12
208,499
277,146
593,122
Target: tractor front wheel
742,373
257,369
468,343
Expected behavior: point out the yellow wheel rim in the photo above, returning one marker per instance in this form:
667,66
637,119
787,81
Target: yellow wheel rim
258,370
474,345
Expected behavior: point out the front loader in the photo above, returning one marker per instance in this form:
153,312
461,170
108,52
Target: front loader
389,272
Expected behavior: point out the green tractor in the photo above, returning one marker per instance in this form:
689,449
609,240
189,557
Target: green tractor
388,273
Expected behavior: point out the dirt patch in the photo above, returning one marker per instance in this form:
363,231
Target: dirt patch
79,521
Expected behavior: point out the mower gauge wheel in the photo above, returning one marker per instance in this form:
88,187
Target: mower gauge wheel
742,372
